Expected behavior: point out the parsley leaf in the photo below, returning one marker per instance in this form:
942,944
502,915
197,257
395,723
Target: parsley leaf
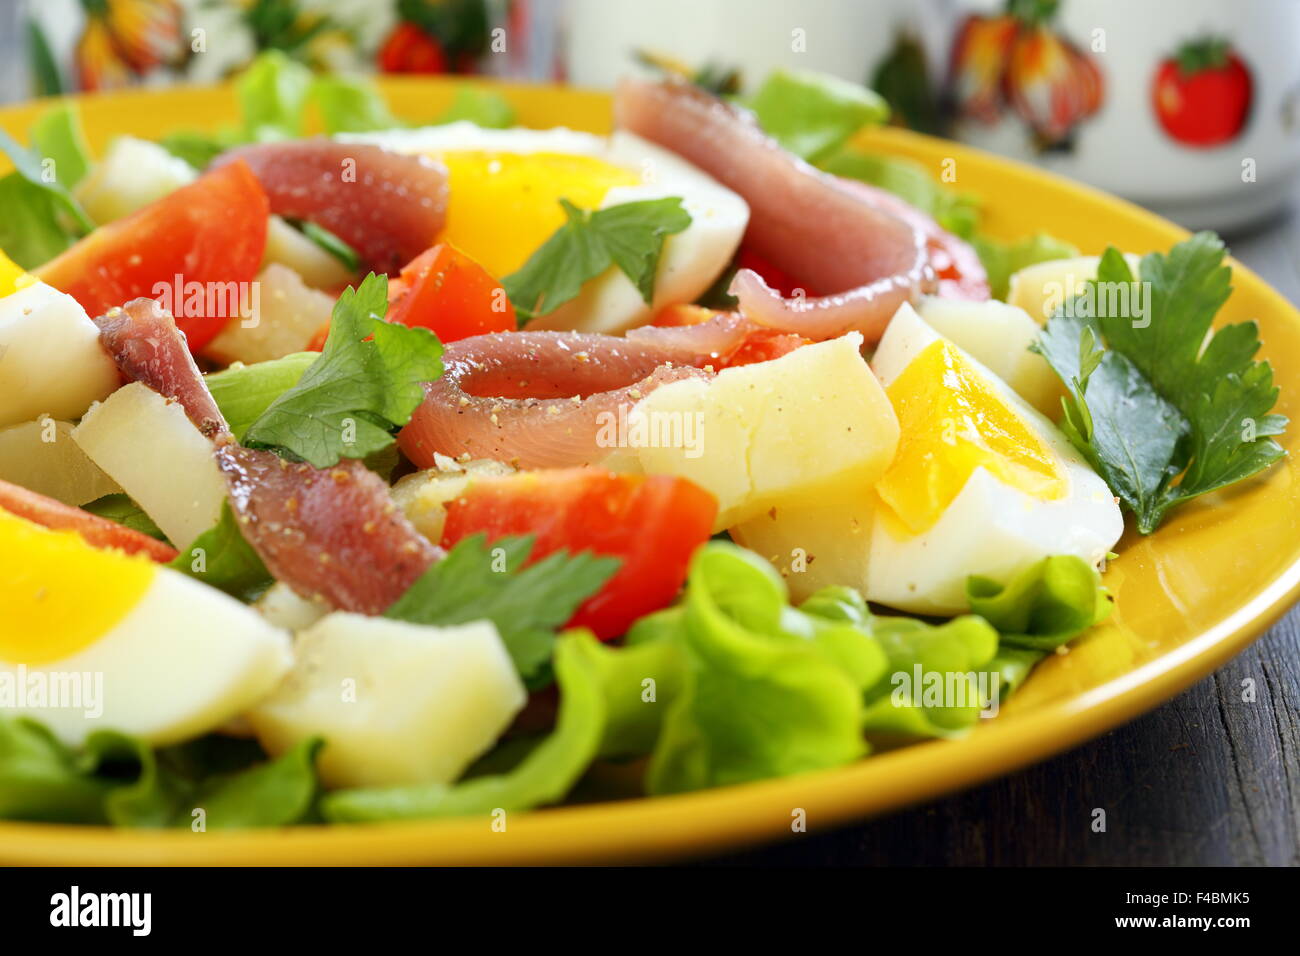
476,582
365,384
1150,399
630,235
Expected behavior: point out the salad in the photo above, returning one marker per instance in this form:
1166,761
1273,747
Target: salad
413,470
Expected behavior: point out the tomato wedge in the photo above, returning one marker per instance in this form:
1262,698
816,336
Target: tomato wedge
97,532
196,243
444,290
447,292
653,523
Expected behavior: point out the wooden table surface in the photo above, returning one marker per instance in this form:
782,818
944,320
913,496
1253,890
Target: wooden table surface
1208,779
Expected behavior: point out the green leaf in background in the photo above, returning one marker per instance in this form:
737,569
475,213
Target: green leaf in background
244,392
124,511
479,106
222,558
351,105
949,655
273,94
362,387
1044,606
811,114
31,167
629,235
30,230
57,135
545,775
1002,259
909,180
527,603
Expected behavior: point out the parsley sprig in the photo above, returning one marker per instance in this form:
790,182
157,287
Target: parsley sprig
365,385
630,235
1163,413
526,602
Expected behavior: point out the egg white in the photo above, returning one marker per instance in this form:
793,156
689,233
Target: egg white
184,661
691,260
990,528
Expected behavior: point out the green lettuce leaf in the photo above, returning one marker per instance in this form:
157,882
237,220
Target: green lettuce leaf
1003,259
811,114
527,603
948,656
768,690
955,211
273,95
362,387
57,135
244,393
1044,606
545,775
31,230
115,778
351,105
124,511
481,107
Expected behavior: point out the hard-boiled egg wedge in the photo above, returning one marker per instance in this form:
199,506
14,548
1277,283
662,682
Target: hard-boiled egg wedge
506,187
397,703
51,362
981,484
998,336
95,639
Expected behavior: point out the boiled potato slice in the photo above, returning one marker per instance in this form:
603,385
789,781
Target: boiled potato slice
131,175
397,703
147,445
285,316
1042,288
814,545
999,335
51,362
286,246
811,424
42,457
423,496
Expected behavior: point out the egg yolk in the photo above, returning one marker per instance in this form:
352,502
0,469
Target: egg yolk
952,422
12,276
503,206
58,595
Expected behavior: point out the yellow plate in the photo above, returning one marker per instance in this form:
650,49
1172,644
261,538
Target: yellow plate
1189,597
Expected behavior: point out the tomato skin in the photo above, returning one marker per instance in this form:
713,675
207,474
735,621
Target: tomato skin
97,532
760,345
1206,108
211,232
444,290
653,523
